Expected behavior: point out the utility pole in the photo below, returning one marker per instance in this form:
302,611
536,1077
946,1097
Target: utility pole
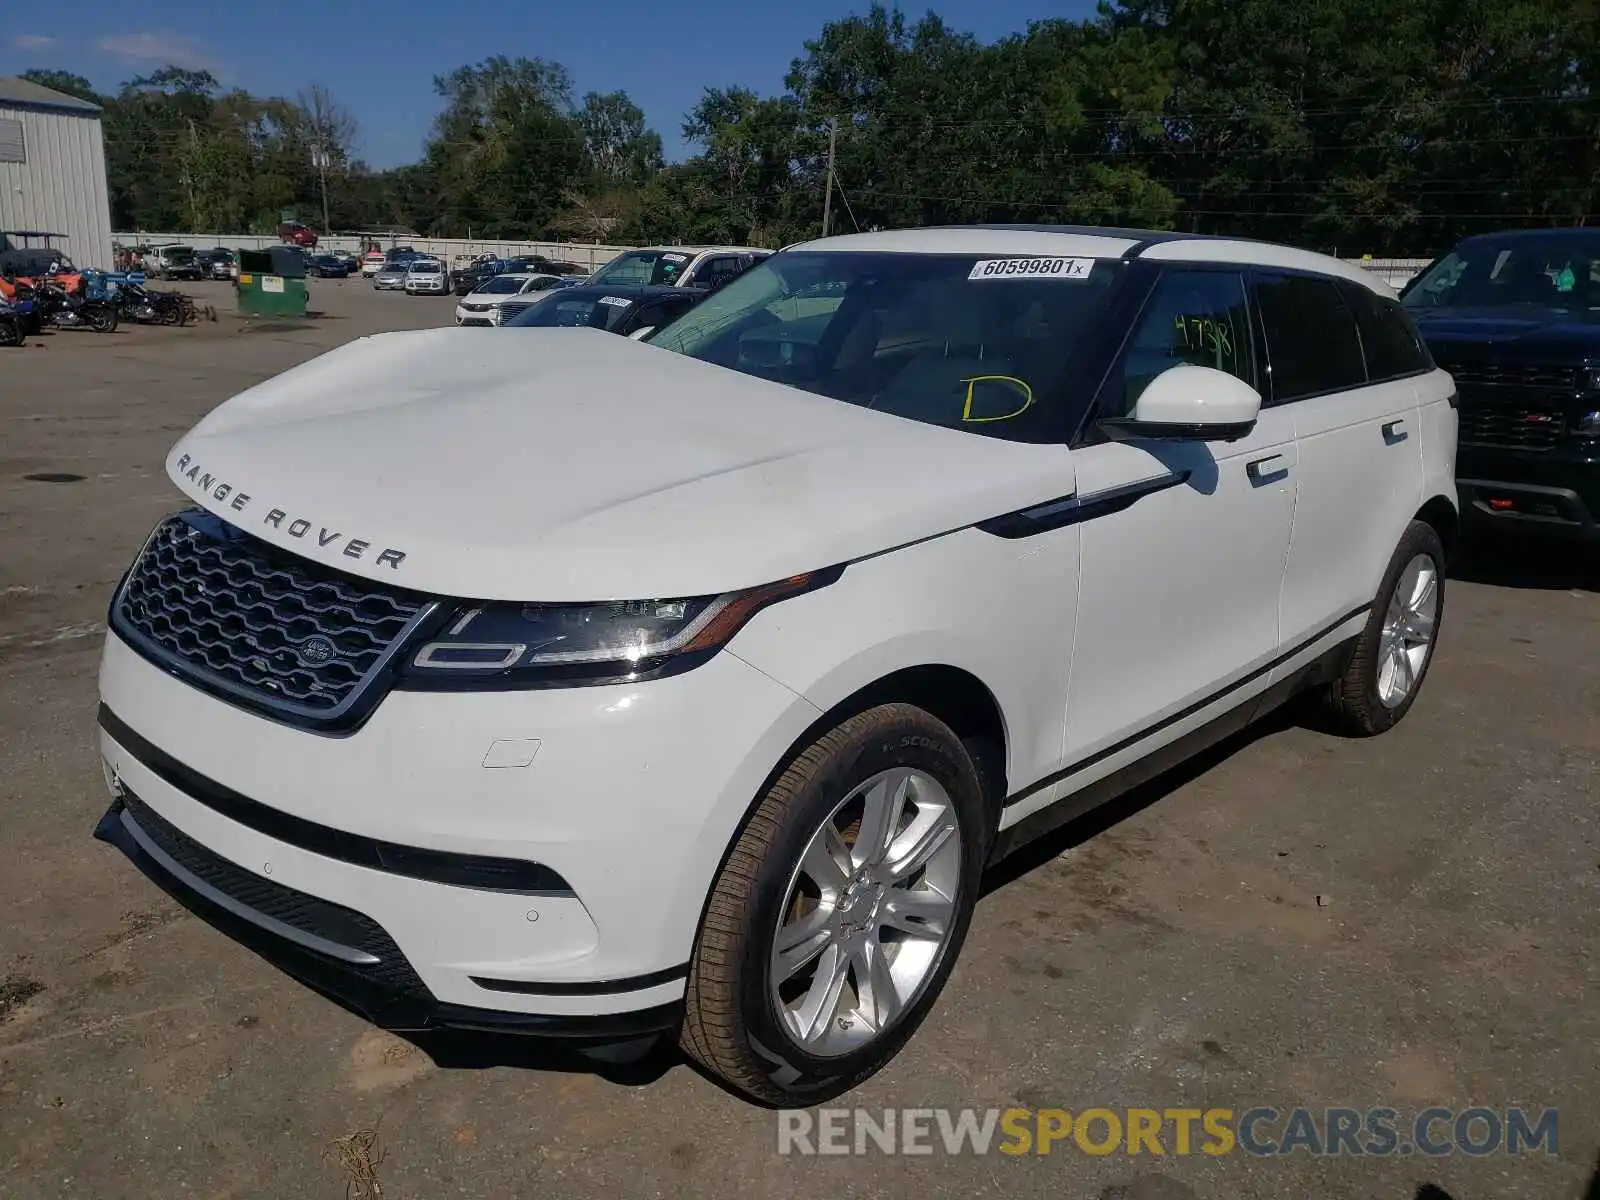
320,157
827,195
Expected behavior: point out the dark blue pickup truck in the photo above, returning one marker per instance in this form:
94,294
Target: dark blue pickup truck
1515,318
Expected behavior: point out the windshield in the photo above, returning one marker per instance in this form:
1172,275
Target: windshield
978,345
570,309
424,268
644,266
178,254
500,285
1559,271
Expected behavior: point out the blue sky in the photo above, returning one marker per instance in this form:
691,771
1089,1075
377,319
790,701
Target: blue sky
379,56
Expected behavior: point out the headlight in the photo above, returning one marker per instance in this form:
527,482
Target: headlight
509,645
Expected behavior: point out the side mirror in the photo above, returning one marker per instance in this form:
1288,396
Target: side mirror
1189,403
639,334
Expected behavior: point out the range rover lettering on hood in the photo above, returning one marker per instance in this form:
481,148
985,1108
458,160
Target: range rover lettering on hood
285,522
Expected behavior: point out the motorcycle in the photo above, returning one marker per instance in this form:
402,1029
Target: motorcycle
135,303
58,307
11,330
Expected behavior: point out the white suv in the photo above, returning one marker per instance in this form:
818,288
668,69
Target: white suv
588,687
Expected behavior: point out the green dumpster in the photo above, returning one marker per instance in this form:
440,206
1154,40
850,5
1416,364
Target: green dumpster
272,282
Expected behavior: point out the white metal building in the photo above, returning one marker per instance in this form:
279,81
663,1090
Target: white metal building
53,170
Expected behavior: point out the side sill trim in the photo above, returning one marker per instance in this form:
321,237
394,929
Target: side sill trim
1189,710
1074,510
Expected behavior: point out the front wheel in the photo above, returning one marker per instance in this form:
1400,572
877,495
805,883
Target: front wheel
840,910
102,318
1394,652
11,332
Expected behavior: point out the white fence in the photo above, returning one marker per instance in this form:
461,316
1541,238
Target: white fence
585,254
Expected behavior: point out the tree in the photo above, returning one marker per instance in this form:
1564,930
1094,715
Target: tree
617,147
65,82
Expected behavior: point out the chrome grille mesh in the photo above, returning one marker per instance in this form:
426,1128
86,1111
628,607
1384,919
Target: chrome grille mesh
215,603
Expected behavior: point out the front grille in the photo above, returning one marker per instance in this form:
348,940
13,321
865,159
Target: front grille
309,914
1517,405
507,311
232,612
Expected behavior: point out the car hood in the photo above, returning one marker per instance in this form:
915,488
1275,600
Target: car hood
1518,329
561,465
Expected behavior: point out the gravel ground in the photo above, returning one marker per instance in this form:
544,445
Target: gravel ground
1297,919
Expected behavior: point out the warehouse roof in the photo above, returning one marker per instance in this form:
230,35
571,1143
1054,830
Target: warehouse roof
14,90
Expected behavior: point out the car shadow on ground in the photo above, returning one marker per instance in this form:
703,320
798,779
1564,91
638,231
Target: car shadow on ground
1098,820
1591,1191
1545,564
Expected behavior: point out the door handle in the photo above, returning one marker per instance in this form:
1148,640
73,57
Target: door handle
1262,469
1395,431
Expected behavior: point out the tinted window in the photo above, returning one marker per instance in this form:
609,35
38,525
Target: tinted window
1312,342
1194,317
1389,340
718,270
1541,270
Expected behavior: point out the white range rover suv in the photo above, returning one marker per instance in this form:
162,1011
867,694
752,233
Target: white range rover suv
593,688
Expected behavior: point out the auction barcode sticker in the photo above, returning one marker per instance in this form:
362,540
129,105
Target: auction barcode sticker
615,301
1032,268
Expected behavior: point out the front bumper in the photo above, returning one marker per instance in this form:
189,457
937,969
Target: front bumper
626,795
488,318
370,977
1555,491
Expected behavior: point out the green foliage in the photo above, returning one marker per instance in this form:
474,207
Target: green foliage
1389,126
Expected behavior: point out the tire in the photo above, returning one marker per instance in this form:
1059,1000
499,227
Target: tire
102,318
732,1021
11,332
1362,701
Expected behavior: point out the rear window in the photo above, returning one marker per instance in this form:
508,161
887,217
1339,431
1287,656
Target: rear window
592,310
1389,339
1312,342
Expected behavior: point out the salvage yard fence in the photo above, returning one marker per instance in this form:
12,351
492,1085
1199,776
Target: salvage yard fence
588,255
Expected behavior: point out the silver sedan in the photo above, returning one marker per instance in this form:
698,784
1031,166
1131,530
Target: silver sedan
391,277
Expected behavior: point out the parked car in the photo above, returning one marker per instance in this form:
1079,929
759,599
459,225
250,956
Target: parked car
502,297
1511,316
680,266
426,277
737,655
173,262
296,234
633,310
219,263
326,266
391,277
372,262
469,278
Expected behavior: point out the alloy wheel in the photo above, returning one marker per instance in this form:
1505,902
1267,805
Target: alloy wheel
1408,630
867,914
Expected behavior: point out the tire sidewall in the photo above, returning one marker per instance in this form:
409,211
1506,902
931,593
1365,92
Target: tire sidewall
904,741
1419,539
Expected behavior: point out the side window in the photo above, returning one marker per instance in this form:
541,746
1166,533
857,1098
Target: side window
716,271
1389,340
1194,317
1311,335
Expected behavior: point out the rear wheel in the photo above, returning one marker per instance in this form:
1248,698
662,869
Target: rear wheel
840,910
102,318
11,332
1395,650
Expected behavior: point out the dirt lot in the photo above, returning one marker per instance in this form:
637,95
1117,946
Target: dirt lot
1406,921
